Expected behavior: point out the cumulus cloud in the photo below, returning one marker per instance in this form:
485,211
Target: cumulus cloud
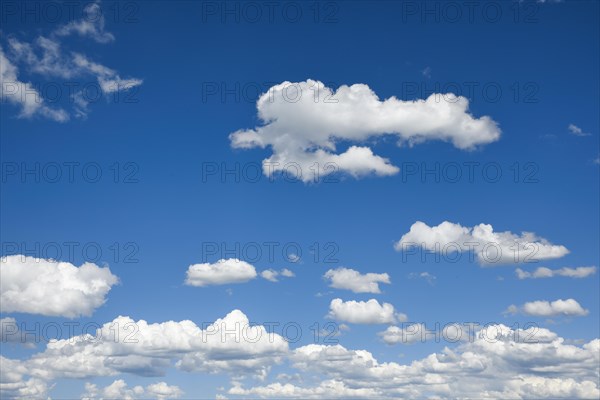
543,272
230,344
543,308
489,246
364,312
119,390
48,287
577,131
273,275
498,363
349,279
303,122
223,272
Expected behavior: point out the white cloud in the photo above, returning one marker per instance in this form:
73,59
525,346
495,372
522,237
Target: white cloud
223,272
273,275
498,363
544,308
349,279
543,272
364,312
92,25
119,390
23,94
577,131
48,287
490,247
14,383
230,344
410,334
44,56
287,273
302,123
326,390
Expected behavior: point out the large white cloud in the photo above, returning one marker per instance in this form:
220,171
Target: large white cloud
543,308
224,271
148,349
489,246
303,121
364,312
543,272
349,279
498,362
119,390
48,287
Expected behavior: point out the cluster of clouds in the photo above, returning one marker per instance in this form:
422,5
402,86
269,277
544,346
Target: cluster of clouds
499,363
230,344
45,57
501,366
489,247
303,122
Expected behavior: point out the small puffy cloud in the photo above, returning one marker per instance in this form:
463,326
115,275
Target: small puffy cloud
543,308
48,287
273,275
303,122
543,272
223,272
349,279
577,131
489,246
364,312
119,390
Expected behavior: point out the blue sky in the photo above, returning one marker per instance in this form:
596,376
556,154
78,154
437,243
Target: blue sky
164,87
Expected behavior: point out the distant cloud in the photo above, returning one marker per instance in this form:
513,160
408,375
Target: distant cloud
543,272
427,72
543,308
577,131
423,275
119,390
273,275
